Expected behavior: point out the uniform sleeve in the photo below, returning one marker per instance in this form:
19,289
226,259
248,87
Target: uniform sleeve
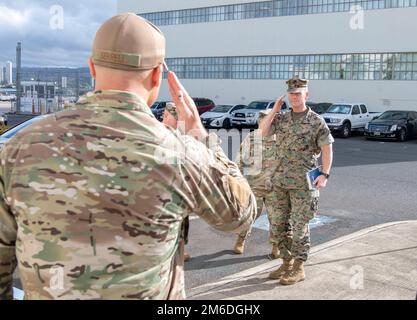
324,136
221,195
245,152
274,125
8,232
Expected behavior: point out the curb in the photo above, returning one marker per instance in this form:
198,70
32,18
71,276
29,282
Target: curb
194,292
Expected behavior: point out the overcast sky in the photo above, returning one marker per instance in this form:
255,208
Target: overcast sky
38,27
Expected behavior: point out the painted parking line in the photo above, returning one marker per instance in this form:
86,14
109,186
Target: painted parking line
263,223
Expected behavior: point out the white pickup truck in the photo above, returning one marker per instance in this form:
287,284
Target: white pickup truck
343,118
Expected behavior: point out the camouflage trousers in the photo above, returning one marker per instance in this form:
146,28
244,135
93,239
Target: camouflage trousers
290,214
262,199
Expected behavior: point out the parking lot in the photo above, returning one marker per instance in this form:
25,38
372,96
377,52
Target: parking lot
372,182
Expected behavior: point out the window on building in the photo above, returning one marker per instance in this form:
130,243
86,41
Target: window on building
363,66
264,9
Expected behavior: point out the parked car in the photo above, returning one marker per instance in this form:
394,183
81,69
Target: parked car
6,135
219,116
343,118
3,120
393,124
320,107
249,116
158,109
203,104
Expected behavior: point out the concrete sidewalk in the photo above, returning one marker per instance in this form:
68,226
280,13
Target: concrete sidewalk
375,263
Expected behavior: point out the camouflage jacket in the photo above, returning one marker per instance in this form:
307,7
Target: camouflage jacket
299,147
92,199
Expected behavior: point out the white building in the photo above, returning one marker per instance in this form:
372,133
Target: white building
64,82
9,73
239,51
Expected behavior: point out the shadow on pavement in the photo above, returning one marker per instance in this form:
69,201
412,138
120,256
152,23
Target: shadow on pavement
207,262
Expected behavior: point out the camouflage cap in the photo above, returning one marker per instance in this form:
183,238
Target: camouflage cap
128,42
172,109
296,84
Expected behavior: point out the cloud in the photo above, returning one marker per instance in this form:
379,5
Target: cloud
44,42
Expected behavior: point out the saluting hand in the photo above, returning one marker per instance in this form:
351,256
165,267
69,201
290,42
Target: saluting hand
278,105
265,124
188,117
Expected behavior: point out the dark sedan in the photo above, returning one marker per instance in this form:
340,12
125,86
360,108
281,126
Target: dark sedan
393,124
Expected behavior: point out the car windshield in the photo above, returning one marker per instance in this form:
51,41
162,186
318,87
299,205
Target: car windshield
393,115
339,108
316,109
221,108
319,108
258,105
13,131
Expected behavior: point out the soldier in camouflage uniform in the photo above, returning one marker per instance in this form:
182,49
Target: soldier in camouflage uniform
170,118
260,153
92,198
303,136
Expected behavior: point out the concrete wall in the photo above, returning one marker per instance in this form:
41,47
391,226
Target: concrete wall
378,95
387,30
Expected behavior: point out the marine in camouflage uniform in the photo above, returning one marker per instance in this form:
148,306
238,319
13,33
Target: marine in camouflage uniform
257,161
300,138
92,198
170,118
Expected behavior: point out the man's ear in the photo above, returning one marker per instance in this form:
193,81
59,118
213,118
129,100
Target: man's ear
157,76
92,68
307,94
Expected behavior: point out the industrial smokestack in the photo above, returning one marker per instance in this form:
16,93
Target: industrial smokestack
18,75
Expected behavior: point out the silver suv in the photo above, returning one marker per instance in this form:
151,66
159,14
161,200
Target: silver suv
249,116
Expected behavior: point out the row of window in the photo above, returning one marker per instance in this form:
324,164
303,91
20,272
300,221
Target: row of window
264,9
366,66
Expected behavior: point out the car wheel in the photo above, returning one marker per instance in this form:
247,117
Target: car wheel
402,135
226,123
346,130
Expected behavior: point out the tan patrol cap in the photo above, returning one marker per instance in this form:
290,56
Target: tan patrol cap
128,42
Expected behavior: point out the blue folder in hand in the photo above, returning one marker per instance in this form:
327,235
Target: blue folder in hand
312,176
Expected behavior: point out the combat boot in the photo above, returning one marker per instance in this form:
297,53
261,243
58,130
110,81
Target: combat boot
240,245
283,269
275,252
187,256
296,274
